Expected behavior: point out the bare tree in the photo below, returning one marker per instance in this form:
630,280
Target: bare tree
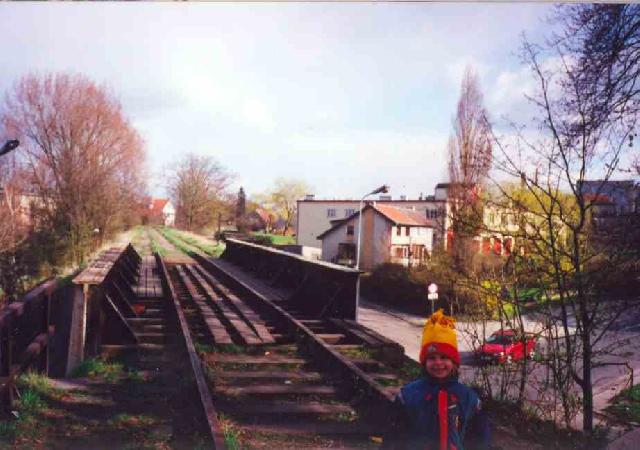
469,147
469,161
14,226
587,115
198,185
83,156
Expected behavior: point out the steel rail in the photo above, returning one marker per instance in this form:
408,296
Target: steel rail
203,390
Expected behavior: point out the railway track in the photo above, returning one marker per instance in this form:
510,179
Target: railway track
277,378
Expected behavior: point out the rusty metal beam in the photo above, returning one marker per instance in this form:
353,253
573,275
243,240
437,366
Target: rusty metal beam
205,396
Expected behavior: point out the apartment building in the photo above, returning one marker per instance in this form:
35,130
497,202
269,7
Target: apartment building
389,234
317,216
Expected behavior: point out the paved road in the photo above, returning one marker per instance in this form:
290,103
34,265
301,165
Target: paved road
406,329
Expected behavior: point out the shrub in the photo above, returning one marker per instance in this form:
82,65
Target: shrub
398,286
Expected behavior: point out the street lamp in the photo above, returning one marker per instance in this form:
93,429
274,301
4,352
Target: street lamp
8,146
381,190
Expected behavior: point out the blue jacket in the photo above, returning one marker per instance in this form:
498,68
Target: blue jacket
466,424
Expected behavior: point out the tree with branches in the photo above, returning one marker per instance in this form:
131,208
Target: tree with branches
469,161
198,185
587,100
83,157
282,199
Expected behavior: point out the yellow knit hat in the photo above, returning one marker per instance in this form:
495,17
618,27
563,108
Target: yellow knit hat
439,336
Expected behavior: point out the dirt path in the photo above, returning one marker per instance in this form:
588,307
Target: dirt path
172,255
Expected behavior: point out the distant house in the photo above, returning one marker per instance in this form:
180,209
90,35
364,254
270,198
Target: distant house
24,205
614,209
389,234
161,212
260,220
612,198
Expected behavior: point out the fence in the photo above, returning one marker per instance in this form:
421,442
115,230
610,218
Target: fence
25,333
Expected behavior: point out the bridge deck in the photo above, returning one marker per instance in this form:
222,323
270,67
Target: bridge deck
149,285
274,294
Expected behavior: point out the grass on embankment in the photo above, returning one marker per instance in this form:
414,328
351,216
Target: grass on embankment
30,411
275,239
188,243
155,247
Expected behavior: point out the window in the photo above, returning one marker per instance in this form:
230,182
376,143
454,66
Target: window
331,212
432,213
349,230
407,231
348,212
398,231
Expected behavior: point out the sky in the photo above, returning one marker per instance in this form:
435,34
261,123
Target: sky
344,96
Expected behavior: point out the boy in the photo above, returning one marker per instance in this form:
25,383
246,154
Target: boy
442,413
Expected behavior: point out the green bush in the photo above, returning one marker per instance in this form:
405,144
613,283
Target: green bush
397,286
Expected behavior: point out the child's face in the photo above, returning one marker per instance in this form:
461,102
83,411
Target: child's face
438,366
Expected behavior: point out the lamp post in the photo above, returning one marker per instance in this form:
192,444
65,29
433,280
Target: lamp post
381,190
8,146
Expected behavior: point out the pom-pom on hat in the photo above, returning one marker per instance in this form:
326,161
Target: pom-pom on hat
439,336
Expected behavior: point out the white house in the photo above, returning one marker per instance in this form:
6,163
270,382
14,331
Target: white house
316,216
389,234
161,211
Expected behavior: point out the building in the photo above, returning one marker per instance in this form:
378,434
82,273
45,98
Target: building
161,212
614,209
317,216
612,198
389,234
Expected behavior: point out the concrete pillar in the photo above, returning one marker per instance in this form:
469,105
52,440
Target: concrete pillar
78,327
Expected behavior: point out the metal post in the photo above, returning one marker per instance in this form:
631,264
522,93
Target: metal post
358,255
383,188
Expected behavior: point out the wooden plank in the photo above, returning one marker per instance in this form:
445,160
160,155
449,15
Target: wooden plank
283,407
314,428
277,389
215,327
247,335
124,300
249,315
330,338
253,359
267,374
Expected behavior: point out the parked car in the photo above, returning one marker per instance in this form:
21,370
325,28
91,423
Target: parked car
505,346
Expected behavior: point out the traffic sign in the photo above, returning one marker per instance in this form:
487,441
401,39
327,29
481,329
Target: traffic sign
433,289
432,296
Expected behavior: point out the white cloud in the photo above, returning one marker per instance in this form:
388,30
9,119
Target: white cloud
257,114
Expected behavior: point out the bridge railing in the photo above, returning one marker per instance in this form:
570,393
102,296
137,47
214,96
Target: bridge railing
318,288
105,300
25,333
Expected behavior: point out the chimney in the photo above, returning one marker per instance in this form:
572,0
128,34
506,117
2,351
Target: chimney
384,197
310,197
403,198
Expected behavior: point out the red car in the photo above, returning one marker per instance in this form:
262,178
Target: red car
505,346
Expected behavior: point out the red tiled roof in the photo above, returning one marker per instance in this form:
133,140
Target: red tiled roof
264,215
397,216
158,204
401,216
601,199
